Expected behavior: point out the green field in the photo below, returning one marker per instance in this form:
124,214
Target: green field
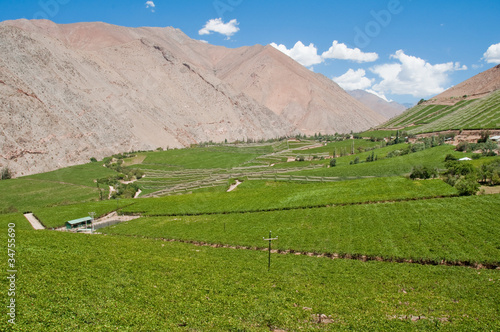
130,278
84,282
483,113
387,230
270,195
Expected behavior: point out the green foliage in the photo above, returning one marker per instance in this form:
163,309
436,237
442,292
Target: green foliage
465,114
78,175
26,194
132,284
333,162
423,172
463,176
489,173
57,216
467,185
5,173
93,160
450,157
462,146
399,230
263,196
212,157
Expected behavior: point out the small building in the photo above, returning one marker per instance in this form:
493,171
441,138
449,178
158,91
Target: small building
495,138
76,223
464,159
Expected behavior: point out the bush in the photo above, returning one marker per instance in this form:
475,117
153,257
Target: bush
462,146
449,157
6,174
299,158
93,160
467,185
423,172
333,162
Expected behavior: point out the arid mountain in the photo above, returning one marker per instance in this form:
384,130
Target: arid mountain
71,92
475,87
379,105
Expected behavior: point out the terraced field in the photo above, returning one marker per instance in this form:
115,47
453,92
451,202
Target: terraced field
483,113
407,255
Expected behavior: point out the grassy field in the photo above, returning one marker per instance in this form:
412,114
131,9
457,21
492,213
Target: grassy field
57,216
129,279
480,113
388,230
84,282
269,195
79,175
25,194
396,166
199,158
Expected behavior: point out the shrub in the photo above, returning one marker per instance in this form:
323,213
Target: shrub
462,146
449,157
467,185
5,173
423,172
333,162
299,158
93,160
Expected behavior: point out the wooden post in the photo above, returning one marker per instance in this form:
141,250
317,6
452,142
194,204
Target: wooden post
269,259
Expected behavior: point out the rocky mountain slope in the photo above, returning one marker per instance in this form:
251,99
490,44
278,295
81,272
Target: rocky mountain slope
71,92
471,105
475,87
379,105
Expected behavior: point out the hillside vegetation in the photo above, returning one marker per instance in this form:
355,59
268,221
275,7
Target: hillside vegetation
362,242
483,113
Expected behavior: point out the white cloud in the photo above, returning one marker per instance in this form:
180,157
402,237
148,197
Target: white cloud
414,76
380,95
492,55
305,55
353,80
342,52
217,25
151,4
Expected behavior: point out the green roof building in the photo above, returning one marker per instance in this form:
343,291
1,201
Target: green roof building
78,222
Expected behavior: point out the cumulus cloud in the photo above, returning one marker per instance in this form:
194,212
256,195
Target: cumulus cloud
217,25
492,54
151,4
353,80
342,52
305,55
413,75
380,95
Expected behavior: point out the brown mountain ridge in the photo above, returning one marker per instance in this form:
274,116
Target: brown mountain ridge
75,91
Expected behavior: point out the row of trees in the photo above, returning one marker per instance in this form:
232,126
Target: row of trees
463,176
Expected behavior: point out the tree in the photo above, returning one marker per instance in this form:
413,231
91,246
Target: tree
333,162
467,185
6,173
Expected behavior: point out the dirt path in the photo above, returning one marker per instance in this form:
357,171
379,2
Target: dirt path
490,190
33,221
233,186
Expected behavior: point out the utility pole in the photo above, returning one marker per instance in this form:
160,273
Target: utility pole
269,259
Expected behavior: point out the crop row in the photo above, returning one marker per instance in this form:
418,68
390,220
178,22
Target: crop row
91,282
459,229
482,113
270,195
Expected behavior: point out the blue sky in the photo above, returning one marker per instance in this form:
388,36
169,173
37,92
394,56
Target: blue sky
404,50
